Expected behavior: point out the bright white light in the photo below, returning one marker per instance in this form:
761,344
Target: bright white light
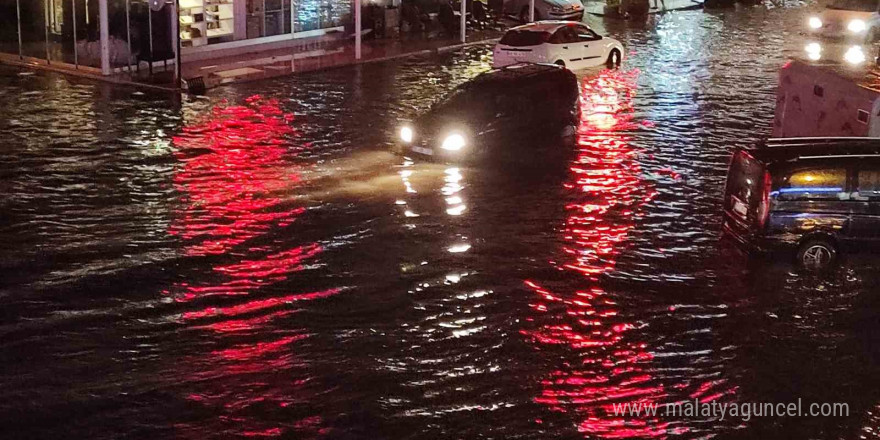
854,55
814,51
857,26
453,142
815,23
459,248
406,134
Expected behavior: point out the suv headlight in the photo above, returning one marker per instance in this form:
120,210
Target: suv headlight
453,142
406,134
857,26
815,22
854,55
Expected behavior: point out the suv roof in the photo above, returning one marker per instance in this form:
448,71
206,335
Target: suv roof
792,149
511,75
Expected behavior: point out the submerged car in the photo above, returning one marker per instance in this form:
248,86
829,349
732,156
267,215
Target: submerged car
545,9
817,197
853,20
566,43
499,115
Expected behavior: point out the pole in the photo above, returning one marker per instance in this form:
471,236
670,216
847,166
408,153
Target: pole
175,31
531,11
463,20
46,28
75,51
357,29
128,32
18,20
104,29
150,32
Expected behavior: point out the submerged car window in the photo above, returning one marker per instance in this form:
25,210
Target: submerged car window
814,184
564,35
468,103
869,183
520,38
587,34
854,5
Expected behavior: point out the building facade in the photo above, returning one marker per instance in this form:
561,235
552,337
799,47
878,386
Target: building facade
107,36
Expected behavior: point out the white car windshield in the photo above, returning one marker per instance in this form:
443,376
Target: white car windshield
854,5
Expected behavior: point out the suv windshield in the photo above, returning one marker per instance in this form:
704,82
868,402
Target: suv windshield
854,5
519,38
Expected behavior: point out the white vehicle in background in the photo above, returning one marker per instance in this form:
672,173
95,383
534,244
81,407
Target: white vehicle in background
566,43
853,20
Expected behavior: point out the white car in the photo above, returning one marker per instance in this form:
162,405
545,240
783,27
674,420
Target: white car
854,20
566,43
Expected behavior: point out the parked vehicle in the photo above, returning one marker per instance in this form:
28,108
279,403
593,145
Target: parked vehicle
817,197
855,20
545,9
566,43
499,115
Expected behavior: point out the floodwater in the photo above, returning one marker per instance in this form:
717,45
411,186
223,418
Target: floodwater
255,264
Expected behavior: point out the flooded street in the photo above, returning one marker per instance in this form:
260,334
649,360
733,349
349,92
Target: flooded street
255,263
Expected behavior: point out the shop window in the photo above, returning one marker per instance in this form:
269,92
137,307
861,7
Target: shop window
320,14
206,22
267,17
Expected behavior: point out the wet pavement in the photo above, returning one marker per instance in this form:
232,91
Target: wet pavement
255,264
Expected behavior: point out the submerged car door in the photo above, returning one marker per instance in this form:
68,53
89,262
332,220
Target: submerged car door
814,198
565,43
592,49
865,224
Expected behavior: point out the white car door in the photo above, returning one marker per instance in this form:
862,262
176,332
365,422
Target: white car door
565,44
593,51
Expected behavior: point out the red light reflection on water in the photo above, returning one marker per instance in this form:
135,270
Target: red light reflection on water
607,192
232,179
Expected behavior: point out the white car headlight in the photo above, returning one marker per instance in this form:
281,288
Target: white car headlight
453,142
854,55
406,134
815,23
857,26
814,51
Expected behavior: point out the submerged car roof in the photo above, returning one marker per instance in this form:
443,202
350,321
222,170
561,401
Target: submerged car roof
511,75
793,149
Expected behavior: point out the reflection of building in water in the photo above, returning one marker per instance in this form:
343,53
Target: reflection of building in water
600,364
232,179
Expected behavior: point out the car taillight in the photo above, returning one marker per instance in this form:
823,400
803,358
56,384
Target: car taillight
764,206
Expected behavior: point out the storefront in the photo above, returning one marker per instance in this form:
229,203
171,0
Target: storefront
207,25
116,35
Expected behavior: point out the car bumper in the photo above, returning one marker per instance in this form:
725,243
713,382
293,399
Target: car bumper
840,36
568,15
430,154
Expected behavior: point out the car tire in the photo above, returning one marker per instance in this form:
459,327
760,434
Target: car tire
560,63
613,59
817,255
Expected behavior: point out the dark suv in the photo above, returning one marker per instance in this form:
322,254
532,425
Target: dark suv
816,196
501,114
